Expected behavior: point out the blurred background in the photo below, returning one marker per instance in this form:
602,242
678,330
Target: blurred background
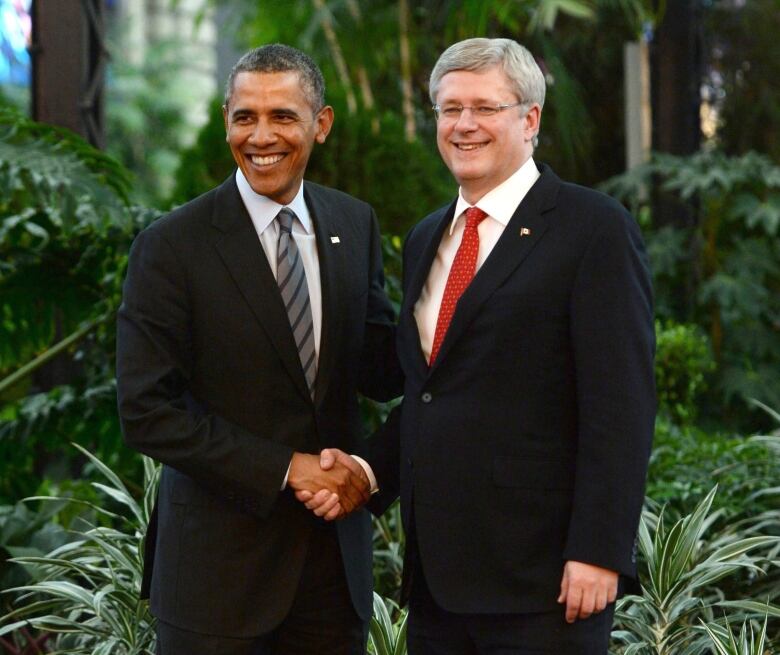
110,114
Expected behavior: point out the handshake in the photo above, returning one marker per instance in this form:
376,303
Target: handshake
331,484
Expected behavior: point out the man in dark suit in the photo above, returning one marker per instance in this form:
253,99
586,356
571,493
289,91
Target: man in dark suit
526,339
250,317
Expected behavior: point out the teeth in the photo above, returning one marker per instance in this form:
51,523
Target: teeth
470,146
265,161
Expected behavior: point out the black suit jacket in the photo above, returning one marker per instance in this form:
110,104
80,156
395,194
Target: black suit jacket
526,444
210,384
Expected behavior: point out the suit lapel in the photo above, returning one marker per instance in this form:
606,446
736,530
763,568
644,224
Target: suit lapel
524,230
243,256
407,321
332,270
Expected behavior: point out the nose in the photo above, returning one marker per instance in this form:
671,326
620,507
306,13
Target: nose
466,121
263,134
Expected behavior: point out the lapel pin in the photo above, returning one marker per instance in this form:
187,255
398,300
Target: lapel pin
335,240
525,232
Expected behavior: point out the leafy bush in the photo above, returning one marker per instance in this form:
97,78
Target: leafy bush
728,265
66,224
679,599
686,461
87,591
683,359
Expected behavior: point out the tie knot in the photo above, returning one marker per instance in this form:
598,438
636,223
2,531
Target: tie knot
474,216
286,217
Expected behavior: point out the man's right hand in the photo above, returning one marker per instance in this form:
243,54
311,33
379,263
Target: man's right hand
339,488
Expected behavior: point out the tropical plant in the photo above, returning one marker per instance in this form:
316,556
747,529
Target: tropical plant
723,273
678,581
66,224
748,642
387,632
389,544
87,591
683,360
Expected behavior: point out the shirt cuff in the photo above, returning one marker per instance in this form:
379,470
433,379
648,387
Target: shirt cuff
369,473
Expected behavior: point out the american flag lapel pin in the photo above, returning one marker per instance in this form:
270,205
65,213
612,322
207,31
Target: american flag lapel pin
334,239
525,232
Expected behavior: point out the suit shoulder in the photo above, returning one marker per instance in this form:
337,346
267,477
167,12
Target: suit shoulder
585,198
183,218
336,197
424,227
593,210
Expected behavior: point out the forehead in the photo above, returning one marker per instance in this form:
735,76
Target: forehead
267,91
469,86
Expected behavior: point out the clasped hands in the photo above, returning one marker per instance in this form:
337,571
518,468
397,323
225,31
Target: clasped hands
331,484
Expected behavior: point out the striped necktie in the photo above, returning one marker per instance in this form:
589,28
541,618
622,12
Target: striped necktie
291,279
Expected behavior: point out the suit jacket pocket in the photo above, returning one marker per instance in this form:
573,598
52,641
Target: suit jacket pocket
533,472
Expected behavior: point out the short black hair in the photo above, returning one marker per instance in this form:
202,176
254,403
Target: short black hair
280,58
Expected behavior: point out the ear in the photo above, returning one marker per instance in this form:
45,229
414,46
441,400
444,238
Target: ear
533,120
324,123
225,120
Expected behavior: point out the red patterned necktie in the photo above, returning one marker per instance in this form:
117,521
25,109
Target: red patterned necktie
463,267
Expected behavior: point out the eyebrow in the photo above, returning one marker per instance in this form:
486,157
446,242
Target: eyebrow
279,111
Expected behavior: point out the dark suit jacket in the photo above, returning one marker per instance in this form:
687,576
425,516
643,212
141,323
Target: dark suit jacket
210,384
526,444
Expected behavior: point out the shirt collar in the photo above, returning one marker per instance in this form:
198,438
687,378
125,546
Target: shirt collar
262,210
501,202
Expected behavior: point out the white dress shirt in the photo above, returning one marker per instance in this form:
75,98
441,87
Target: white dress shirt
500,203
263,211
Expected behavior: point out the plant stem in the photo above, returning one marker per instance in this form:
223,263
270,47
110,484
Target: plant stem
29,368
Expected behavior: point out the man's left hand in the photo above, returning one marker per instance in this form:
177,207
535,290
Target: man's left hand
586,589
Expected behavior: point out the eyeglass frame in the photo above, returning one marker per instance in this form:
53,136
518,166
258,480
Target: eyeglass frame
497,109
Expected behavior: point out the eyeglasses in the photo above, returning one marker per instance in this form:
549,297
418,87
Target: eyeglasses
453,112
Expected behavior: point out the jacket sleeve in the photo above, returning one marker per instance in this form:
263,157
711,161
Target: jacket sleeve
380,375
613,341
158,414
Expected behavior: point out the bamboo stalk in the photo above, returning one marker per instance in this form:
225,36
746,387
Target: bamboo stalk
410,127
49,354
335,52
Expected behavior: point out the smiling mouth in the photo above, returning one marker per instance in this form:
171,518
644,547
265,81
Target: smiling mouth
467,147
266,160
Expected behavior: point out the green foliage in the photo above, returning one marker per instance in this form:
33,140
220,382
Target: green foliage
389,546
748,642
207,162
687,460
728,263
387,636
683,360
66,224
679,576
148,116
25,532
87,591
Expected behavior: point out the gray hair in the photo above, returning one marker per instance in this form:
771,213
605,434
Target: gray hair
517,63
280,58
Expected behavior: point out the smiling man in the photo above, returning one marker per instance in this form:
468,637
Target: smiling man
526,339
250,318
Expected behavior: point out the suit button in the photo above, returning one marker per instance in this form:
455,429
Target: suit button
426,397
